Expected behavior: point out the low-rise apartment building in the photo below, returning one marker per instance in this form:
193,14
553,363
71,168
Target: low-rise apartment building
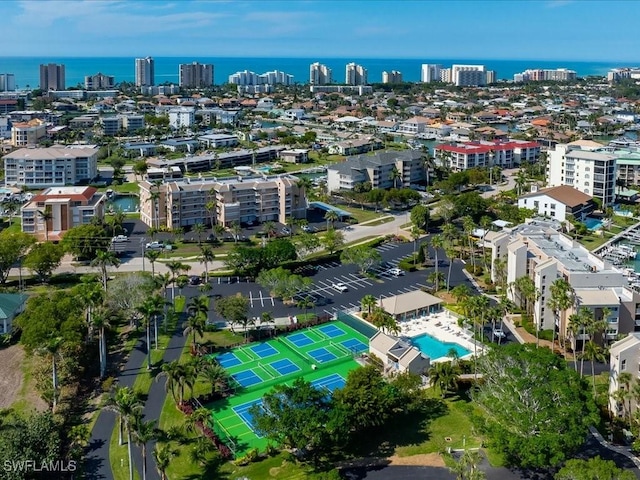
590,171
183,203
558,202
203,163
383,170
624,356
463,156
28,134
538,251
48,167
57,209
218,140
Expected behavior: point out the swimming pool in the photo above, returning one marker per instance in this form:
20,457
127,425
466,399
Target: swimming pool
593,223
435,348
124,203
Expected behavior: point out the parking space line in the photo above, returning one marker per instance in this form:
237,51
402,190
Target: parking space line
251,299
273,304
261,299
357,280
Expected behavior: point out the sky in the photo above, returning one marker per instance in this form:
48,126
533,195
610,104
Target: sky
585,30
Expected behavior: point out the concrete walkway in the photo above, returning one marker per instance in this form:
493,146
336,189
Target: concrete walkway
615,448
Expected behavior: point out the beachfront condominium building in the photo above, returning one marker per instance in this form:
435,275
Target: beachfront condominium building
542,75
248,77
183,203
145,72
50,167
52,77
538,251
355,74
7,82
392,77
618,74
99,81
195,75
401,169
67,207
320,74
431,72
468,75
590,171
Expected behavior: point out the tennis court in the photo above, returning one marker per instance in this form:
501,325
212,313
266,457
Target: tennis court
322,355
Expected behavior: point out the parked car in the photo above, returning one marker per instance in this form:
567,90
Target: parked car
154,246
305,228
499,333
396,272
286,231
120,238
194,280
341,287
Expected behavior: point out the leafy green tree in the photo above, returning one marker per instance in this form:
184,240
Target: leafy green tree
444,375
43,259
84,241
127,291
593,469
281,283
306,243
103,260
363,256
538,410
332,240
13,247
163,454
466,468
233,309
420,215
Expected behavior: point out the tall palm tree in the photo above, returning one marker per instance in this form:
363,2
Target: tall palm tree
469,226
625,379
369,302
269,229
46,217
197,319
593,353
126,404
163,454
206,257
305,304
101,323
172,372
215,375
199,229
587,327
435,278
210,207
143,433
562,298
304,184
163,281
105,259
52,348
394,176
152,256
451,253
443,375
175,267
437,243
331,216
235,230
149,309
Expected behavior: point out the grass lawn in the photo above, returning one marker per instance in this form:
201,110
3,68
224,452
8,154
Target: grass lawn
379,221
591,242
119,457
624,222
179,303
362,215
221,338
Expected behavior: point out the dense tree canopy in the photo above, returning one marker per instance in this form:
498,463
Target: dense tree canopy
43,259
84,241
251,260
593,469
363,256
538,410
13,246
281,283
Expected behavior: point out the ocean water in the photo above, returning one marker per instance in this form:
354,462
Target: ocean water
26,69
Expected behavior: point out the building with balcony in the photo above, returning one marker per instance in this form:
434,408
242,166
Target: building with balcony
48,167
355,74
145,72
195,75
392,77
468,75
320,74
543,75
624,356
7,82
402,169
99,81
27,134
182,117
218,140
183,203
508,154
431,73
590,171
206,162
52,77
247,77
558,202
66,207
538,251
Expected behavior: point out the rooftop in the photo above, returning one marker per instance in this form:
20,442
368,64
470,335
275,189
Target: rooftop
564,194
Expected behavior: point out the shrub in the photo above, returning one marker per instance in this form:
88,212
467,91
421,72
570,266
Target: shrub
253,455
107,384
477,270
407,265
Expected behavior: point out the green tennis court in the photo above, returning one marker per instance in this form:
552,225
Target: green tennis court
323,355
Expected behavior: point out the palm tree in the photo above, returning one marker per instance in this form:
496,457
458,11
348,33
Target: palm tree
206,257
199,229
450,252
521,181
331,216
625,379
562,298
105,259
444,376
152,256
143,433
394,176
175,267
437,242
269,229
305,304
210,207
587,323
369,302
469,226
149,309
172,371
593,353
304,184
199,417
163,454
215,375
197,319
52,349
100,321
235,230
436,277
46,217
154,198
125,403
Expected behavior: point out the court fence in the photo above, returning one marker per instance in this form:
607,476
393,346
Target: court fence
358,325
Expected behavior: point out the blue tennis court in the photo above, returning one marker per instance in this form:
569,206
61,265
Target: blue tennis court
331,382
228,359
285,366
243,412
264,350
300,339
355,345
331,331
247,378
321,355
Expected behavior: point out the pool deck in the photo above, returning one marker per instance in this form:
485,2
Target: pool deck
442,326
